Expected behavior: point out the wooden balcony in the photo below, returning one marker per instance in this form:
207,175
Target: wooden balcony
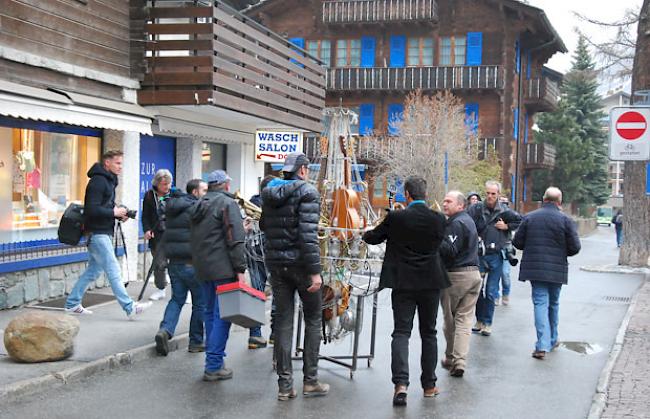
542,94
213,55
412,78
539,156
380,11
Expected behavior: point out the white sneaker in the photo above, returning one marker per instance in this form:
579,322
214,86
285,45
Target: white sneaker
157,295
78,309
138,308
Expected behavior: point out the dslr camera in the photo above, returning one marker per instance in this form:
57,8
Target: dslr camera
510,253
130,213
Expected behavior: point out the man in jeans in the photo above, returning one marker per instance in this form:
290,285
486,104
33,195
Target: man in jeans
290,215
547,237
100,213
217,241
176,243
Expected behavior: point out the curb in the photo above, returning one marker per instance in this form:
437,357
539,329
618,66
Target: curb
616,269
599,400
15,391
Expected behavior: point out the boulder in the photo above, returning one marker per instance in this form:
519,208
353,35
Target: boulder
40,337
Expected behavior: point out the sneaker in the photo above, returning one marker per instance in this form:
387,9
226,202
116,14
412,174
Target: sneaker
286,395
478,327
256,342
431,392
78,309
196,348
162,342
218,375
315,390
157,295
505,300
138,308
486,330
497,302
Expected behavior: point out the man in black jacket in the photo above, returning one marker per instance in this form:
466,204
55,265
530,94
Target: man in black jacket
181,271
413,269
547,237
290,215
495,223
217,242
100,213
459,251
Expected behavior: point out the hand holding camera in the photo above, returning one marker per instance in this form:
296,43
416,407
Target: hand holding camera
122,213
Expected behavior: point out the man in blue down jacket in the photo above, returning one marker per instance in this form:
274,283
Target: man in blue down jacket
547,237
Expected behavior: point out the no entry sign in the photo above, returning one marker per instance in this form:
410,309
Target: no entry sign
629,136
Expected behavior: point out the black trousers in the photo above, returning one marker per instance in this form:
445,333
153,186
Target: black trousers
405,302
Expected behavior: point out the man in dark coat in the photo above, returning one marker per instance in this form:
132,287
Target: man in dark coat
413,269
290,215
217,242
177,248
547,237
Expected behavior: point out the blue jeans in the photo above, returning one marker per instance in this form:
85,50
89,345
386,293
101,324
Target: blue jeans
546,299
619,236
216,330
183,280
101,257
505,277
493,264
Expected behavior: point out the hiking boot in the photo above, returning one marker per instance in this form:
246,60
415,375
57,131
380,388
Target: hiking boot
315,390
486,330
478,327
431,392
222,374
78,310
196,348
505,300
286,395
162,342
138,308
256,342
399,397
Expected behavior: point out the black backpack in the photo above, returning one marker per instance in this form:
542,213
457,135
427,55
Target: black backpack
71,227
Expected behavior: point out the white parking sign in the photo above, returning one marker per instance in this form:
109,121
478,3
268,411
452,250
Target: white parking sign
629,133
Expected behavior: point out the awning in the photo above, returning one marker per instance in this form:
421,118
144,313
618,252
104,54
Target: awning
20,101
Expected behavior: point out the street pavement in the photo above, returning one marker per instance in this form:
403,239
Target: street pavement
502,380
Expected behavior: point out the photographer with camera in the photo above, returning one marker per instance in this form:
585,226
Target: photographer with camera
153,225
509,255
100,214
495,222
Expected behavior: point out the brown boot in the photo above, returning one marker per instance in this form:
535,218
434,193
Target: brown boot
399,397
431,392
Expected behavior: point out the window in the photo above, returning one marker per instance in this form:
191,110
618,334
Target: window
420,52
452,50
213,157
348,53
43,170
320,49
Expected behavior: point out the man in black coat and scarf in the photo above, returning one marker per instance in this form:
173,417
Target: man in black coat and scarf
413,269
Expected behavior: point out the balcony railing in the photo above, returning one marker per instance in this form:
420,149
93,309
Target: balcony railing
213,55
377,11
540,156
412,78
372,149
542,94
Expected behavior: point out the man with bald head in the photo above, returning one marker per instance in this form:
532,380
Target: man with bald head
459,251
547,236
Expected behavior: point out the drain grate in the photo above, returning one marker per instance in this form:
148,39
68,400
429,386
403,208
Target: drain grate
614,299
90,299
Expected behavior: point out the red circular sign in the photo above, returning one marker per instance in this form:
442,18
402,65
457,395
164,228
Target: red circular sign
631,125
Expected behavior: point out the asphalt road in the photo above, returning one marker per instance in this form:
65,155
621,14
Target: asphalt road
502,380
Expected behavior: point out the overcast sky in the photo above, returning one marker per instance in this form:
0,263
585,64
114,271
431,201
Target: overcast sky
560,13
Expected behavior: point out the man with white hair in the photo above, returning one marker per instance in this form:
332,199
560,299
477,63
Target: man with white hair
547,237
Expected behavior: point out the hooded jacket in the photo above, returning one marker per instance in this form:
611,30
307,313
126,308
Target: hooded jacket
177,236
217,238
290,216
100,201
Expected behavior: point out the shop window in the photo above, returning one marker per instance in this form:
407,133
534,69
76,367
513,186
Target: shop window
320,49
348,53
420,51
42,170
452,50
213,157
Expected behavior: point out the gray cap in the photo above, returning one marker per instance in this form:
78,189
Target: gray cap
219,176
293,162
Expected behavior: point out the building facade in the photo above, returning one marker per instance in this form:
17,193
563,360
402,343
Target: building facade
490,53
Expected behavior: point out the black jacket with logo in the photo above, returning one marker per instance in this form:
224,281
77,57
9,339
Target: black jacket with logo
177,235
460,246
100,201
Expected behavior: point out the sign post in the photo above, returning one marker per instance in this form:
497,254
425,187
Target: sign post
629,133
272,146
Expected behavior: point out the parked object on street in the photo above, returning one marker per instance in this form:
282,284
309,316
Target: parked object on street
604,215
547,237
41,337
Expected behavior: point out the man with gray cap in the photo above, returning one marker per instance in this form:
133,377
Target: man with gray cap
290,215
217,241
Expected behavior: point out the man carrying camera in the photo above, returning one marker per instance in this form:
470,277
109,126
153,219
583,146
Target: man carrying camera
100,213
494,223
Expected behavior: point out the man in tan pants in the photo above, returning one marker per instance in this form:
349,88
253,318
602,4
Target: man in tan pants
459,251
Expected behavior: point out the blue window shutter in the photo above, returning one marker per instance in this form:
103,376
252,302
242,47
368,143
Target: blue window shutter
299,42
515,128
513,186
395,113
397,50
525,189
367,51
474,48
526,128
528,58
471,117
517,56
366,118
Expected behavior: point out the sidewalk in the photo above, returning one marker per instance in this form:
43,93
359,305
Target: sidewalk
627,391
